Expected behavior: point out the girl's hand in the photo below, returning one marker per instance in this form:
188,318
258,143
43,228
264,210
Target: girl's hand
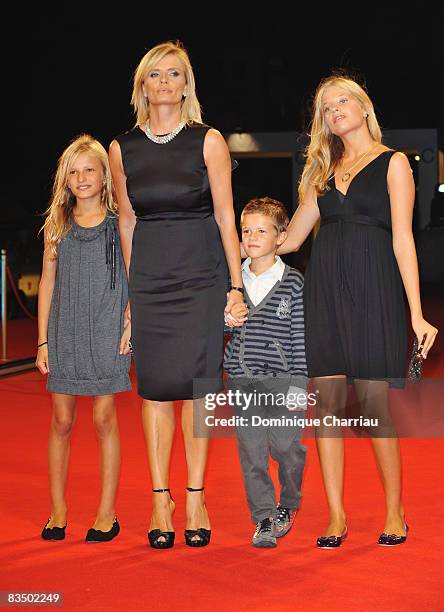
125,347
41,361
421,329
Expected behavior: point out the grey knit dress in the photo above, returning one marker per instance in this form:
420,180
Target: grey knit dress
86,317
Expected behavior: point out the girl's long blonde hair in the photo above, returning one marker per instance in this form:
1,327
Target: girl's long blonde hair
57,222
326,149
190,111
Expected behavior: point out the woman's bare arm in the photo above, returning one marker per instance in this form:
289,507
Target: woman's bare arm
218,162
127,218
301,224
402,196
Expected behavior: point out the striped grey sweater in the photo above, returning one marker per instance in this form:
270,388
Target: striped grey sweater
271,342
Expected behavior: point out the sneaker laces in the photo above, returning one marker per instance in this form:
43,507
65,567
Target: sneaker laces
264,526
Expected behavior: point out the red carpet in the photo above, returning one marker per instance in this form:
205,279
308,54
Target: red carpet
127,575
230,574
21,339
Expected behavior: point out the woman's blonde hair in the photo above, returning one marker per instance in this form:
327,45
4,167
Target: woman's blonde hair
191,111
57,222
325,149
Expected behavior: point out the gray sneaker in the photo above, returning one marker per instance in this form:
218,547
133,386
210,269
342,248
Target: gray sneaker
284,520
264,536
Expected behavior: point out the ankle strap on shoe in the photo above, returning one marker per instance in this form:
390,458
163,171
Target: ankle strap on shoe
191,490
161,490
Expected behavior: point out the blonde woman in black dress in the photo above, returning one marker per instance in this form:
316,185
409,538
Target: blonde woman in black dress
173,181
362,257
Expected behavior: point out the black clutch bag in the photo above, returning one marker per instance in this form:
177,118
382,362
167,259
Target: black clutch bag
416,361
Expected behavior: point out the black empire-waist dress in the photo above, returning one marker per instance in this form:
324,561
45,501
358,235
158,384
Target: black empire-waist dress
353,293
178,273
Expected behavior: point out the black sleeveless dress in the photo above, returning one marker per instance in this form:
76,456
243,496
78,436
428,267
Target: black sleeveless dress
353,293
178,274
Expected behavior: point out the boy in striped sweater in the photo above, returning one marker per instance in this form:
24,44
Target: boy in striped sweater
265,363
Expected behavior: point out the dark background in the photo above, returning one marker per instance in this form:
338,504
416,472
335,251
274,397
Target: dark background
256,68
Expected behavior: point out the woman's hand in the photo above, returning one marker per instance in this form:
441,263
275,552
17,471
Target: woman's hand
236,308
125,347
41,361
238,315
421,329
127,315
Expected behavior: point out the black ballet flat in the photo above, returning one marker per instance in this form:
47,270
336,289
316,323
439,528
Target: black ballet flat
203,534
332,541
53,533
155,534
392,539
96,535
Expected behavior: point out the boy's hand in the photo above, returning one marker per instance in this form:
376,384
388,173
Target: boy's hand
125,347
230,321
41,361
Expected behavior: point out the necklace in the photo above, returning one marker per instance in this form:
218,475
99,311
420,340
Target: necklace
346,176
165,137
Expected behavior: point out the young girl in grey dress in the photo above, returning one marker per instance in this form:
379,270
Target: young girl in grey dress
83,343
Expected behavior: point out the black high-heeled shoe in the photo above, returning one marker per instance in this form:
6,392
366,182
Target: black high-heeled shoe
332,541
393,539
155,534
53,533
203,534
97,535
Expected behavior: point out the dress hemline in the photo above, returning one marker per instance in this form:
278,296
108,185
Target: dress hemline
107,386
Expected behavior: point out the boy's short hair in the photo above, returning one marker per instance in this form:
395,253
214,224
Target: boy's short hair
270,208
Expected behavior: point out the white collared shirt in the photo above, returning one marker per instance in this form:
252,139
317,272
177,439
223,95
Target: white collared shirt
257,287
